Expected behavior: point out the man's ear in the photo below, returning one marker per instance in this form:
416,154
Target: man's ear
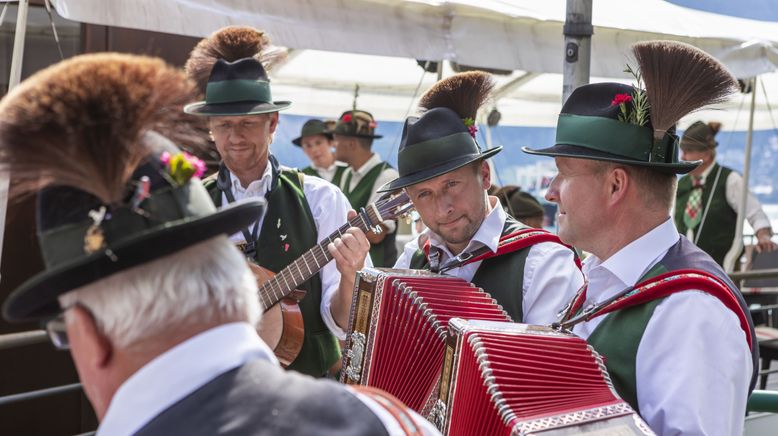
273,122
617,183
486,175
93,347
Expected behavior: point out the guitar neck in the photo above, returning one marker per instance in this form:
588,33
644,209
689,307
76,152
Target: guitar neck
309,264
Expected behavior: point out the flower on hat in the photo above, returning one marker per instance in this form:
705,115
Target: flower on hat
346,118
471,127
373,124
620,99
182,166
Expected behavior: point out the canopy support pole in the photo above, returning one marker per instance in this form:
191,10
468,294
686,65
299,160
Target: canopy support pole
578,32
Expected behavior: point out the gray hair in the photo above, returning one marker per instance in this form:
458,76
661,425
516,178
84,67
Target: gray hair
205,283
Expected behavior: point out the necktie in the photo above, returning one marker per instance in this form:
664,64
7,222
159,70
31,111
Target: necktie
693,212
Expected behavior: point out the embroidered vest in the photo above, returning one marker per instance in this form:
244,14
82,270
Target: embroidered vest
618,336
288,231
718,229
501,276
383,254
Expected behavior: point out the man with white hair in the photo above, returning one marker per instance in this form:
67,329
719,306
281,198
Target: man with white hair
158,308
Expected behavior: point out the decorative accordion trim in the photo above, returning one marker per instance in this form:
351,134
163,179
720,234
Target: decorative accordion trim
568,419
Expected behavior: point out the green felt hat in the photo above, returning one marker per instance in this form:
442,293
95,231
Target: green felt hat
237,88
357,123
312,127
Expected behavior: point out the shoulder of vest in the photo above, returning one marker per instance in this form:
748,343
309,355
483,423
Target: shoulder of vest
210,180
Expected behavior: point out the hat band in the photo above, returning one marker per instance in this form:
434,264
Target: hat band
434,152
66,243
614,137
235,91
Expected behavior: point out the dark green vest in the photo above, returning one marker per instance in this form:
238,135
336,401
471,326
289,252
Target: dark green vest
618,336
501,276
336,178
383,254
289,216
718,230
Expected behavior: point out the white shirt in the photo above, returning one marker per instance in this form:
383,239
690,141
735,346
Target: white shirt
329,172
178,372
329,208
693,362
734,187
551,278
386,176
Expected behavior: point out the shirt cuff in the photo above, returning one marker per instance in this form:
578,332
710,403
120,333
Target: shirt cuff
329,320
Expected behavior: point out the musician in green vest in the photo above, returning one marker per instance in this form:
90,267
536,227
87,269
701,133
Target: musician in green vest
469,235
301,210
316,142
354,135
708,198
674,332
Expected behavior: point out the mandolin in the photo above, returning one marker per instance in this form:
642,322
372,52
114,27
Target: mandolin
282,325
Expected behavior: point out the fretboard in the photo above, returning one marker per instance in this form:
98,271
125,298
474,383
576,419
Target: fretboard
307,265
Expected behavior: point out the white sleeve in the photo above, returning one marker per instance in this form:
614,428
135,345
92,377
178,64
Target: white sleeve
329,208
754,213
551,280
393,427
385,177
693,368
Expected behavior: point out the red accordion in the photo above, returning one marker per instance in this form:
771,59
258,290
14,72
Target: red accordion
398,328
517,379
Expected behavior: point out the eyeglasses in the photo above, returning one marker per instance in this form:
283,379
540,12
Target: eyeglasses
57,330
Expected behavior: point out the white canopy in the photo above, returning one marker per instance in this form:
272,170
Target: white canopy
337,44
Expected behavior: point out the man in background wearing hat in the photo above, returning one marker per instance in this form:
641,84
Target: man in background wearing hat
301,210
708,198
157,307
673,330
354,135
446,176
521,205
316,141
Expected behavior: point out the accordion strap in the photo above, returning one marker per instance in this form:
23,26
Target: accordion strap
654,288
395,407
508,244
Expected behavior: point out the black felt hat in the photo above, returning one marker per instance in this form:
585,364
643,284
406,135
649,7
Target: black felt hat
625,124
237,88
83,240
436,143
442,139
310,128
589,128
700,136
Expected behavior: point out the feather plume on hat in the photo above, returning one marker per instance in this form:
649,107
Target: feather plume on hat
680,79
464,93
85,123
230,44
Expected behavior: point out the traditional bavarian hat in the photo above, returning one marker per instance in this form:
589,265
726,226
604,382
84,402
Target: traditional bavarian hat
112,191
312,127
700,136
624,124
356,123
442,139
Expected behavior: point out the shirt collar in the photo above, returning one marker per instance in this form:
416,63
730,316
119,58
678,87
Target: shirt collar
257,187
488,233
374,160
178,372
631,262
707,171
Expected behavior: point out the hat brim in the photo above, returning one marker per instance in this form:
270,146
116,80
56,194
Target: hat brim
235,109
577,152
437,170
354,135
37,298
299,140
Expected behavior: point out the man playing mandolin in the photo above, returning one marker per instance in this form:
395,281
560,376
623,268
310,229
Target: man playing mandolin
301,210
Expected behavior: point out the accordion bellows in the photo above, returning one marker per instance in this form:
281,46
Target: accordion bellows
399,324
518,379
